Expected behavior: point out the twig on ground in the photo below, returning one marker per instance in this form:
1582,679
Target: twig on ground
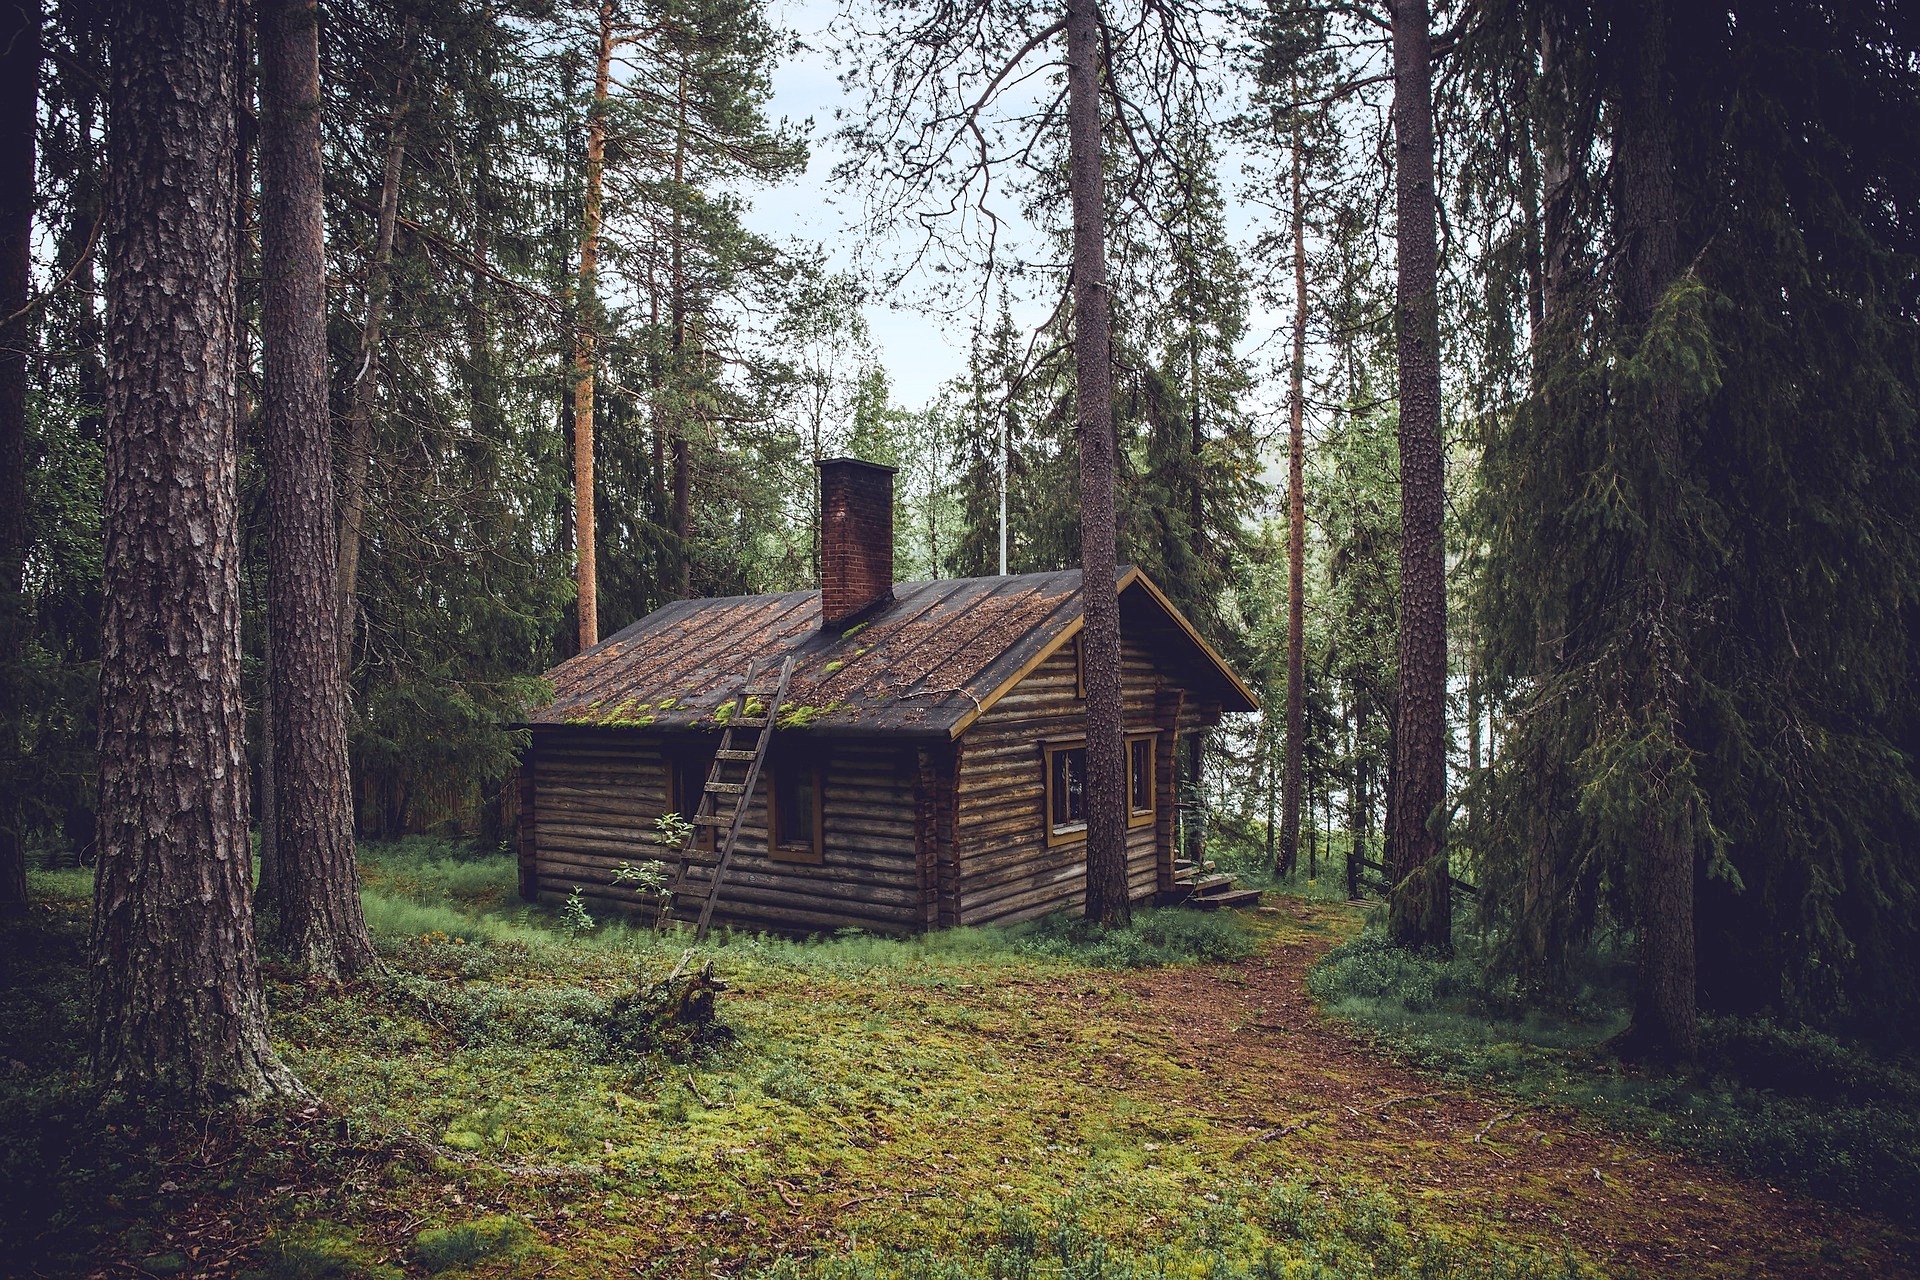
1488,1126
696,1091
1275,1133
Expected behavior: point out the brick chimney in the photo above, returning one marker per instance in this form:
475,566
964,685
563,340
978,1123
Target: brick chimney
856,539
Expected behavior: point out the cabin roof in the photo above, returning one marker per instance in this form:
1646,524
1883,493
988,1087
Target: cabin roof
926,664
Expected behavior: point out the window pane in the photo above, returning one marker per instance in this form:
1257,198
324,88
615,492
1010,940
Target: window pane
1057,787
795,806
1076,784
1141,793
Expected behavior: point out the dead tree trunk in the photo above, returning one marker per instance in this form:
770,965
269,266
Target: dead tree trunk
1421,912
1107,899
317,919
177,1007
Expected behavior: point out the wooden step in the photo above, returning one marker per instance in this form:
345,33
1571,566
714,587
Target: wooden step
1223,901
726,788
1209,885
712,820
735,755
747,722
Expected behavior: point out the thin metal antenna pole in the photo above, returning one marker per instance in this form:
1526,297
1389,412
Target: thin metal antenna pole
1004,447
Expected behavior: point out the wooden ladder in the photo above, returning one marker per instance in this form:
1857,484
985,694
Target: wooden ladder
719,790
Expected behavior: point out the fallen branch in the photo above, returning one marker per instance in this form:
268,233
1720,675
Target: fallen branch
696,1092
1273,1134
1488,1126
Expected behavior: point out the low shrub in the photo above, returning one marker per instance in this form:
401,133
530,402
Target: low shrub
1789,1104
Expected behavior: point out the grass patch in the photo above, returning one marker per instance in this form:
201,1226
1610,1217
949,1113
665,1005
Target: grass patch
447,1248
979,1102
1244,1231
321,1251
1792,1105
1156,937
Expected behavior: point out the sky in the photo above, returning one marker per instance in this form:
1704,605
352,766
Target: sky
919,351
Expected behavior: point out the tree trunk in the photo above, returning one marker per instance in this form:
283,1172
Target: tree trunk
19,111
1540,906
177,1007
1664,1015
1421,908
1107,899
267,892
366,370
317,920
585,569
1296,536
682,391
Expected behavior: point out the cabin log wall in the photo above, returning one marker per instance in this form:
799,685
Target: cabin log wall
1007,871
596,793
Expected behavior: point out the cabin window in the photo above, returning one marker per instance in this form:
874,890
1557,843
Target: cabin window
796,827
1066,793
686,779
1140,790
1066,786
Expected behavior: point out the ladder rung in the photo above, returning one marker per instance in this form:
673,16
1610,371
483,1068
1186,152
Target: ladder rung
726,788
735,755
711,820
759,690
747,722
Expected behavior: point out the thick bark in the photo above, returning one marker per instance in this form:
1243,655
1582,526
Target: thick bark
1421,911
19,105
358,459
1093,395
1664,1012
585,570
177,1007
1296,536
317,920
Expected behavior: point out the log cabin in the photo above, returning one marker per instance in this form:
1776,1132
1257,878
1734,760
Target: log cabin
926,768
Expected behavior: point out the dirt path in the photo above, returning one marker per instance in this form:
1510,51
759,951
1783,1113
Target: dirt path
1314,1097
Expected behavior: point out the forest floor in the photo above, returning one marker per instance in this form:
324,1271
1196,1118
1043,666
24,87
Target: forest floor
964,1106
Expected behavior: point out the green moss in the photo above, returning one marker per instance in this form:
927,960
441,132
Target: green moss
833,666
320,1251
798,715
444,1248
